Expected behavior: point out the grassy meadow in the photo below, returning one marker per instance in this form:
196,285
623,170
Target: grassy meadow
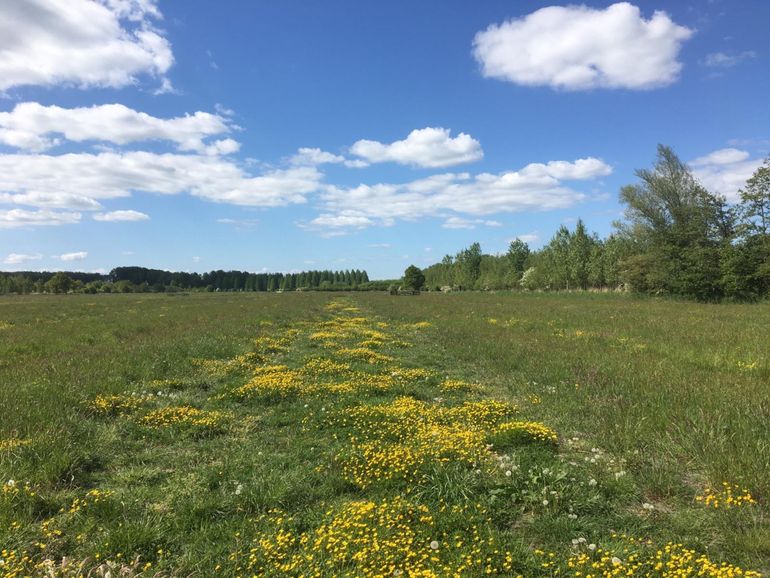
318,434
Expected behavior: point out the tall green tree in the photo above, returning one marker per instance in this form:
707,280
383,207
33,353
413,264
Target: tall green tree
59,283
682,224
579,256
468,266
518,253
414,278
755,201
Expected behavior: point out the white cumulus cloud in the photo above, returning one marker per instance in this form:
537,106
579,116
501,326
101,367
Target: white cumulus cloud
19,258
15,218
311,157
536,187
125,215
725,171
721,157
533,237
34,127
427,147
76,256
65,180
462,223
80,42
578,48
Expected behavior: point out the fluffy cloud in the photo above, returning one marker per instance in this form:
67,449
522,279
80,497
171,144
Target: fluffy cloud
80,42
528,237
64,180
15,218
725,171
535,187
427,147
126,215
721,157
340,222
311,157
578,48
52,201
77,256
462,223
34,127
19,258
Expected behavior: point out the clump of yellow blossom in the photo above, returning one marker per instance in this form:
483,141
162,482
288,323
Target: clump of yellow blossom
185,416
119,404
13,443
168,383
321,366
363,354
271,380
643,559
92,497
399,440
12,488
727,497
514,431
391,537
452,385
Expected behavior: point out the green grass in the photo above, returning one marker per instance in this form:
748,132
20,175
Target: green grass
652,401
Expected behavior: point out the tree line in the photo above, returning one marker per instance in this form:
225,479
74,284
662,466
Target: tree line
676,238
142,279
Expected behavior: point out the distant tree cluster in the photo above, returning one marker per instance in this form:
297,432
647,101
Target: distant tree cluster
141,279
677,238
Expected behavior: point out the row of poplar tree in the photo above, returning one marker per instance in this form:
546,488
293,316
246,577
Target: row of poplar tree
676,238
142,279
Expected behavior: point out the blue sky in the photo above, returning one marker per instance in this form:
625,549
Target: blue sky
291,135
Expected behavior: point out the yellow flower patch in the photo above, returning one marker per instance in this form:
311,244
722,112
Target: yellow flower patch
727,497
120,404
169,383
411,374
363,354
399,440
455,385
185,416
320,366
391,537
271,380
12,488
91,498
13,443
533,430
669,561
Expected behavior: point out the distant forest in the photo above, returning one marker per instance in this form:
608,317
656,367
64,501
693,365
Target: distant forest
141,279
677,238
